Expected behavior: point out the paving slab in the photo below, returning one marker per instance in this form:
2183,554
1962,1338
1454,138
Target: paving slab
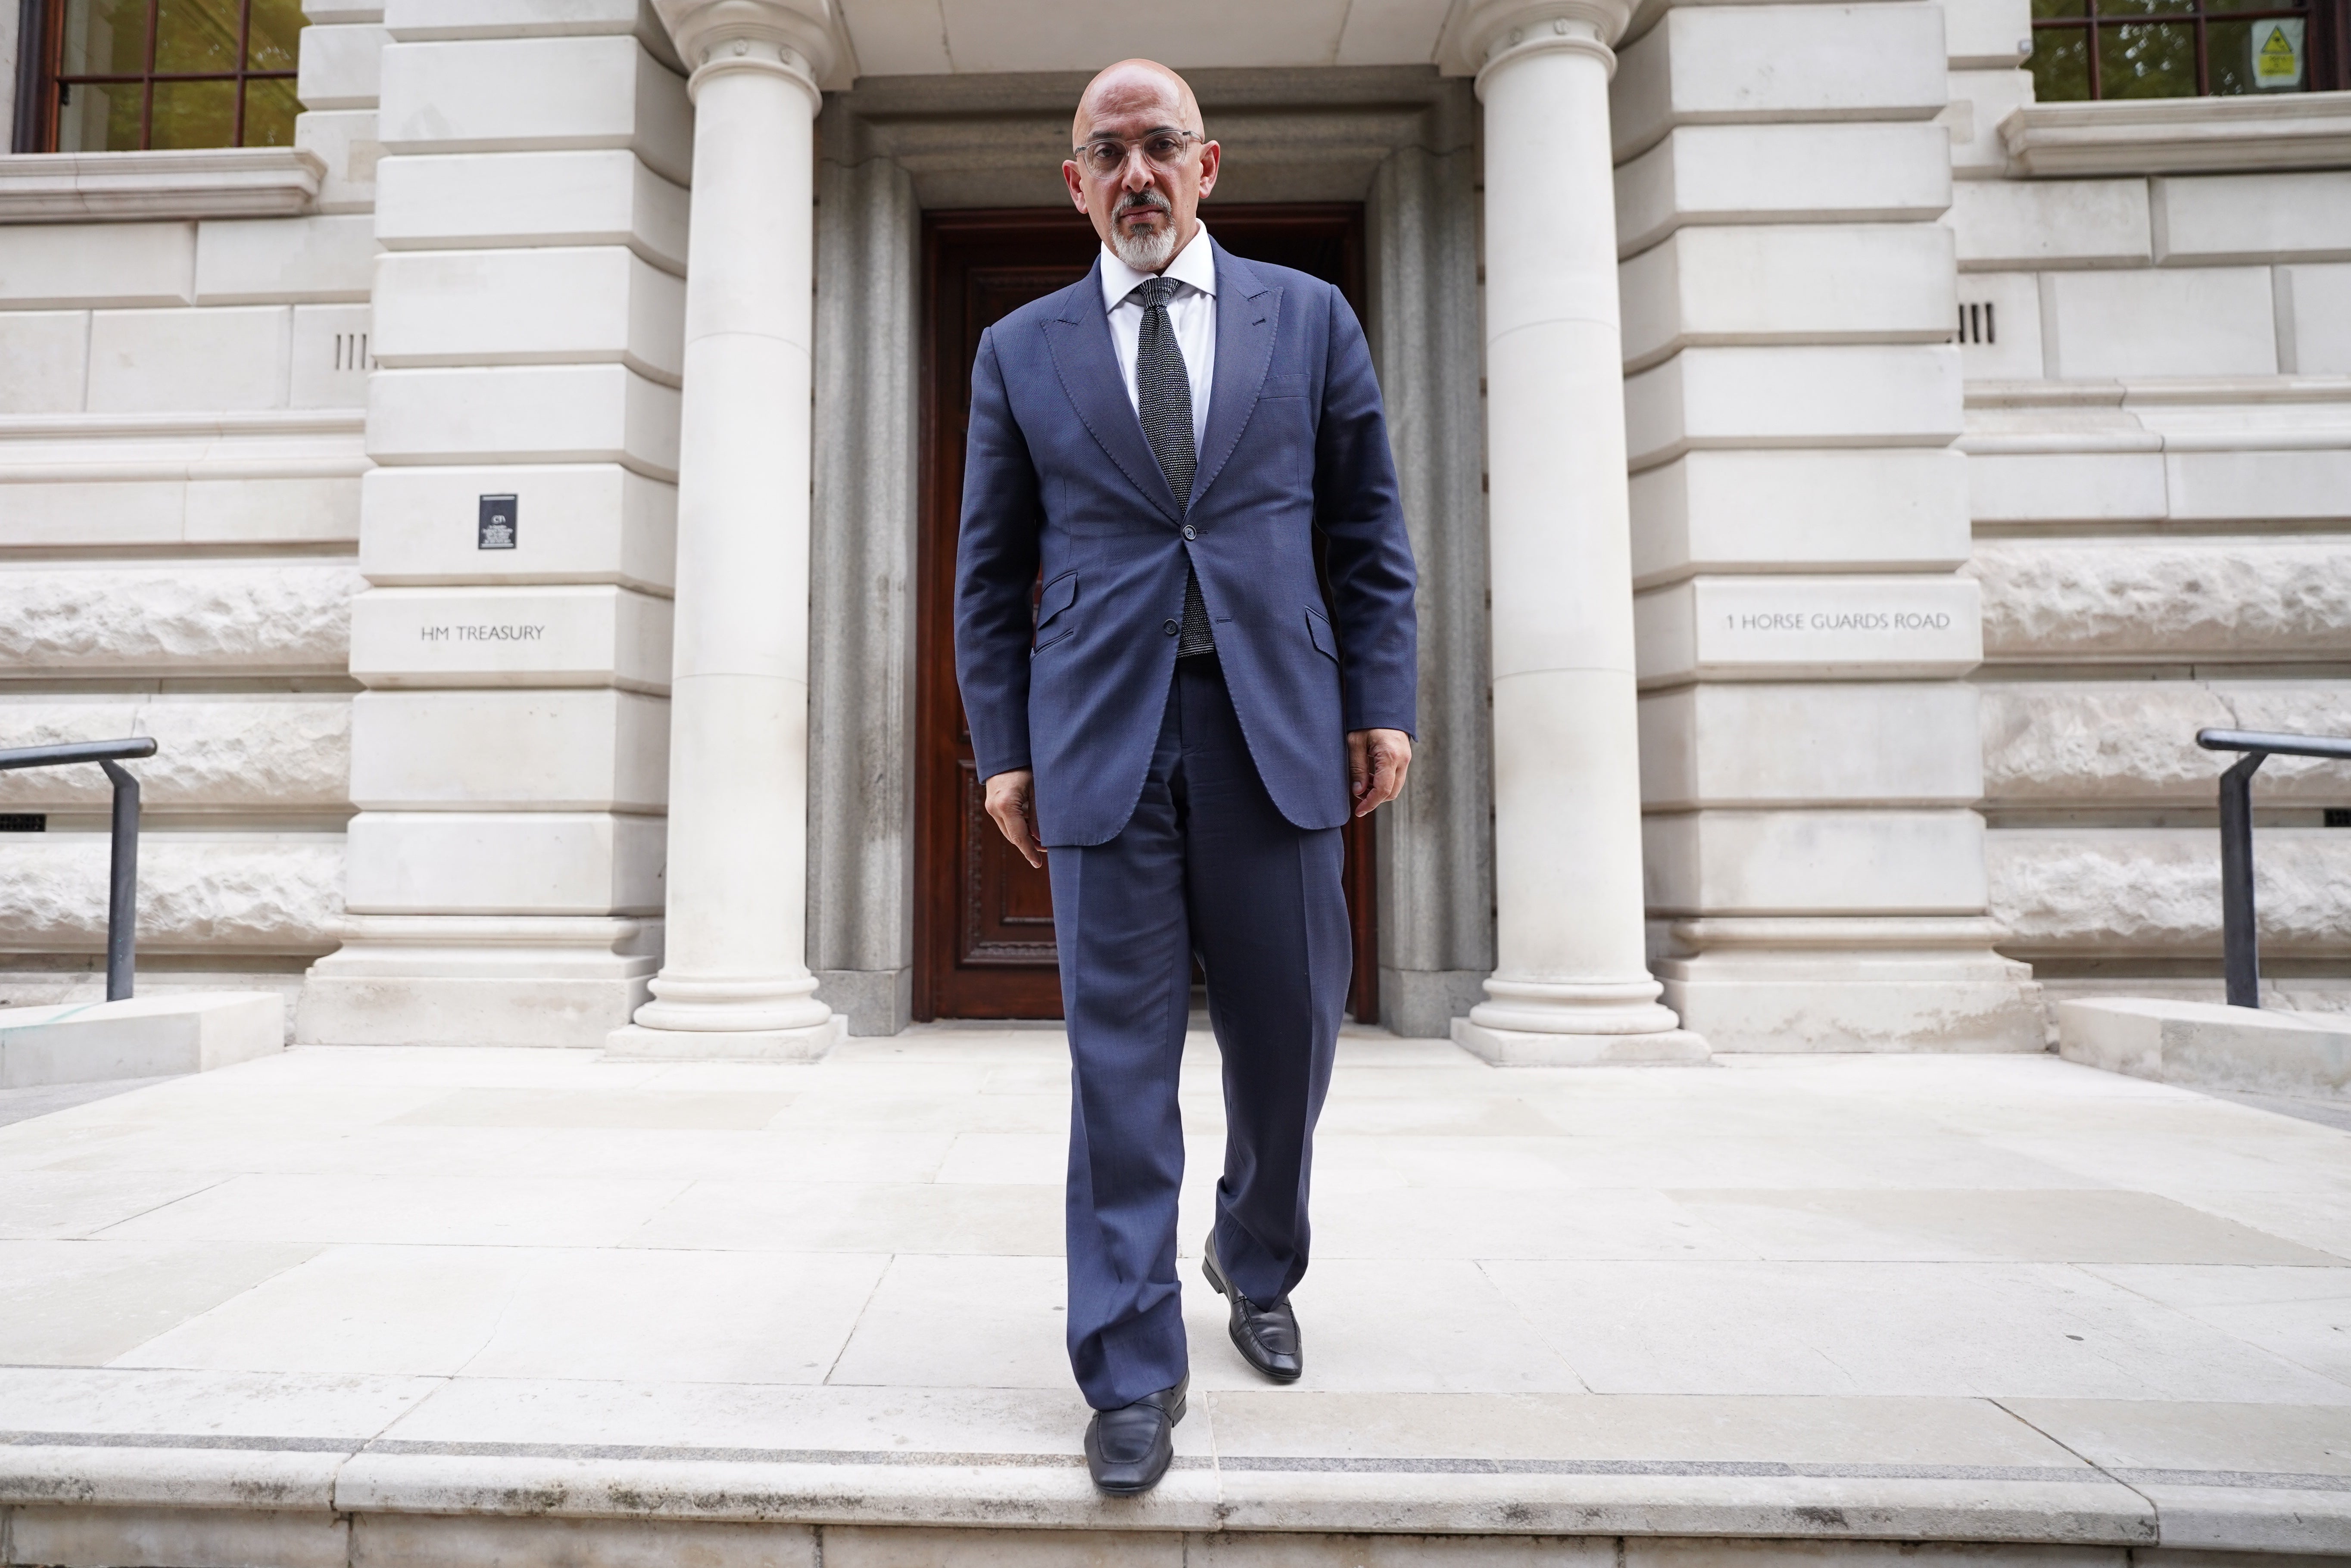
520,1306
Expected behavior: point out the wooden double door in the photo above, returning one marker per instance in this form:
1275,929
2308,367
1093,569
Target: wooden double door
983,917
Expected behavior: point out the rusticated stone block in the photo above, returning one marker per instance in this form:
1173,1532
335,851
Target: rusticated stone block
2114,892
256,754
2144,599
255,894
2133,742
279,619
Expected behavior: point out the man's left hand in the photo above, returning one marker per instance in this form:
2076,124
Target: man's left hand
1377,761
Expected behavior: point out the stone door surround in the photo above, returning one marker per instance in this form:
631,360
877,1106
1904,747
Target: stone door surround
1398,139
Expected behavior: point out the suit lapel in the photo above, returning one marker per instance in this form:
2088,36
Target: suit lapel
1249,307
1079,340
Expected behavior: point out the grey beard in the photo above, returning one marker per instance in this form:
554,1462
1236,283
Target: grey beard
1144,251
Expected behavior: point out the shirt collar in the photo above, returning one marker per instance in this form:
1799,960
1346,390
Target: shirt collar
1195,263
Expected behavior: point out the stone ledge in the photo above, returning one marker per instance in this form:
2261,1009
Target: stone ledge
2058,1504
198,423
2181,135
542,1496
2122,392
317,1504
183,182
138,1037
2272,1052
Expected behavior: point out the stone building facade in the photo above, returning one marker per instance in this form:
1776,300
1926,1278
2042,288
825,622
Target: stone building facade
1843,486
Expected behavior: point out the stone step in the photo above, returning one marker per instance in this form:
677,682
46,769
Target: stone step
138,1037
295,1503
173,1466
2262,1050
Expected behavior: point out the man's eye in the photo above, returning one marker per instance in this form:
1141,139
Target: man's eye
1164,148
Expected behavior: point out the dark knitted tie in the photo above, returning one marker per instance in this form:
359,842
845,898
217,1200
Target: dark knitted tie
1163,385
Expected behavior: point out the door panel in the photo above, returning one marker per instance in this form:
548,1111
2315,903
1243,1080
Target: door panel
983,916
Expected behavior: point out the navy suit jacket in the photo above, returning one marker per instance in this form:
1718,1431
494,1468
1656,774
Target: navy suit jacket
1058,478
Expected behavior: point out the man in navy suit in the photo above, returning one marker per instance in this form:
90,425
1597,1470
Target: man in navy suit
1186,721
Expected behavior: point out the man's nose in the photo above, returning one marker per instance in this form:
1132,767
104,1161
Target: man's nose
1136,173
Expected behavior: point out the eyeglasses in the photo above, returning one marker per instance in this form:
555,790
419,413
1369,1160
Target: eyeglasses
1163,149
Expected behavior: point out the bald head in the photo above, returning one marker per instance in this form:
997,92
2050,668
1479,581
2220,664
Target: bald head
1142,118
1136,94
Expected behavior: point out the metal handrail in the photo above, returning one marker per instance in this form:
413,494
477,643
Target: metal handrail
122,880
2241,958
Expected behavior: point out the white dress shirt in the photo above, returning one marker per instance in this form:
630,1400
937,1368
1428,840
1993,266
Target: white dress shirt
1191,311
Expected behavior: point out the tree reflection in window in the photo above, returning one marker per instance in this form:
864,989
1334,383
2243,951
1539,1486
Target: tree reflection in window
2183,49
123,75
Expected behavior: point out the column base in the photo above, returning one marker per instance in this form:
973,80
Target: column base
1885,984
486,980
1422,1003
874,1000
1526,1048
634,1042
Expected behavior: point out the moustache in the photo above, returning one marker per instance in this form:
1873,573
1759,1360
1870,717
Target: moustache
1138,199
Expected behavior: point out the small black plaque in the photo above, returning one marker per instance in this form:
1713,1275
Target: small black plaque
22,822
499,516
2338,816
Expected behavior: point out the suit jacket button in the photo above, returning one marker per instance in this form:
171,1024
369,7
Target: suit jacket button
1168,627
1189,532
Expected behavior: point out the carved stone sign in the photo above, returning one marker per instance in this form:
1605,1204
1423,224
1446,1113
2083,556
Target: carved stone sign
1838,620
463,631
1768,628
552,635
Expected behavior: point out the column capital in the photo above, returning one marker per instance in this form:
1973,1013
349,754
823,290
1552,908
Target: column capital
1492,32
802,40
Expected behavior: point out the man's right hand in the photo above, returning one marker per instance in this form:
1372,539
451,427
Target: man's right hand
1012,801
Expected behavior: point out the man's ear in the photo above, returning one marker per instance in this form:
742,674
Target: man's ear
1212,158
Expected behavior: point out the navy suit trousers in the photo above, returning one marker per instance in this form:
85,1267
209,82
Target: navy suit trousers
1207,867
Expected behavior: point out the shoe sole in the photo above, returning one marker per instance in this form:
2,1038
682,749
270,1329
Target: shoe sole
1232,1329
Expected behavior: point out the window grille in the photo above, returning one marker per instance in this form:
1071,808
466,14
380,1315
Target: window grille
2184,48
127,75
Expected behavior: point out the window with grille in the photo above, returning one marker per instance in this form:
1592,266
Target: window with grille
2184,48
125,74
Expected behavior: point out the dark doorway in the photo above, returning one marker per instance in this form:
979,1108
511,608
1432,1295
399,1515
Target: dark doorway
983,919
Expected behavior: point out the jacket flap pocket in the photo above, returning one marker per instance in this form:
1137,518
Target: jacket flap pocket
1320,630
1059,595
1283,386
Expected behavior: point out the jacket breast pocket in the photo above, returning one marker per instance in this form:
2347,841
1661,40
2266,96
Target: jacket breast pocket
1318,628
1283,386
1053,605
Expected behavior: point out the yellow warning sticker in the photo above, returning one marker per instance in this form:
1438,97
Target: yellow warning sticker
2277,53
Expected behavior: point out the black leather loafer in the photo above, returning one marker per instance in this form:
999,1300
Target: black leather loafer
1128,1448
1267,1336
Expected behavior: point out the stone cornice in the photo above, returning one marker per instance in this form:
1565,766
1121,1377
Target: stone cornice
196,183
2181,135
802,39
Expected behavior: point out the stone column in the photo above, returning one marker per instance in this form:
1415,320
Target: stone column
735,980
1571,983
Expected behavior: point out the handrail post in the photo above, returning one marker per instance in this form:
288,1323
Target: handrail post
2240,960
122,887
